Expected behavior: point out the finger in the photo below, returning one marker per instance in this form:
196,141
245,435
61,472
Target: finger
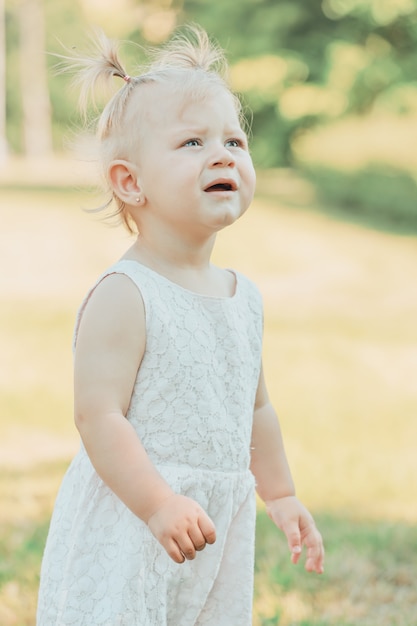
295,554
315,560
174,552
315,552
314,565
207,528
197,538
292,532
186,547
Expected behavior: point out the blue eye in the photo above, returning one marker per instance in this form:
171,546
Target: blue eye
234,143
192,142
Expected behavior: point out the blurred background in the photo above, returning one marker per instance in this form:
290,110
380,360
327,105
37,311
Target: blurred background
331,90
331,84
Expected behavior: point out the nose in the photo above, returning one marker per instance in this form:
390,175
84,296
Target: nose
222,157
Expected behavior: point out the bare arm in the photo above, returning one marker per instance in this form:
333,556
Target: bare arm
110,346
276,487
268,460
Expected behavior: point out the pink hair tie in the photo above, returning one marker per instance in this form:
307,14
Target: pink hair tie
127,78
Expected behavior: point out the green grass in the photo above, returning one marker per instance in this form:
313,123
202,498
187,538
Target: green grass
369,577
340,352
26,497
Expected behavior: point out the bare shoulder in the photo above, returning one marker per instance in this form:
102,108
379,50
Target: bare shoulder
116,288
110,344
114,307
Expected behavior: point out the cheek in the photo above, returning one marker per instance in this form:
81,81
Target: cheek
253,179
250,178
181,172
248,171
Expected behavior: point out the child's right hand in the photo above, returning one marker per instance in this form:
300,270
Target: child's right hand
182,527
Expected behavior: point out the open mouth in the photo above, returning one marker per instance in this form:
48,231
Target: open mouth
221,186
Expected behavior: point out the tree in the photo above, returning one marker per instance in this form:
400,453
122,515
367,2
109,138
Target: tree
333,58
3,141
37,128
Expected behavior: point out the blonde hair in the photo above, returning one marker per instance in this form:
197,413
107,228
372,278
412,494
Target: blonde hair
189,59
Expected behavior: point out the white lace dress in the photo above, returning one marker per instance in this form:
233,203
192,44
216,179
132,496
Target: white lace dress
192,407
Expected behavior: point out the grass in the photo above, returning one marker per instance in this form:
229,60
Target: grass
370,577
340,349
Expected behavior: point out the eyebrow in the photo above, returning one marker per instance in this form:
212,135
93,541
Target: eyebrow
203,130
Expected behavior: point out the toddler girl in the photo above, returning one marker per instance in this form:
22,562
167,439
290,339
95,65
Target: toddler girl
154,522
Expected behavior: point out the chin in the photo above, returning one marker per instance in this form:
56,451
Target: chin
224,221
228,216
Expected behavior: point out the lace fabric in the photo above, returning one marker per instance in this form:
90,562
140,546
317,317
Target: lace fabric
192,407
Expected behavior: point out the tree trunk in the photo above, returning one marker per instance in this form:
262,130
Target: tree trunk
3,140
37,130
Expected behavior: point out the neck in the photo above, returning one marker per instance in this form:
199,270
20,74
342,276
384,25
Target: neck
187,266
171,256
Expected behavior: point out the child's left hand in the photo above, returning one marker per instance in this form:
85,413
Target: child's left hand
291,516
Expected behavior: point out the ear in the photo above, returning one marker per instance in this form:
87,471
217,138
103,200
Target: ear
124,178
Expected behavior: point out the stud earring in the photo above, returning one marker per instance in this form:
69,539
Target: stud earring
138,199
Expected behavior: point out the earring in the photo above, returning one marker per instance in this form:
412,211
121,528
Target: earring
138,199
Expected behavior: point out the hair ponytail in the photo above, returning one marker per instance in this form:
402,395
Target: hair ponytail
191,49
94,70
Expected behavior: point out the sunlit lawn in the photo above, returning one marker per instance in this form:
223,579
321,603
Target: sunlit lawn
341,363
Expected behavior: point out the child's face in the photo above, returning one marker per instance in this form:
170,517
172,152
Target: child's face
195,170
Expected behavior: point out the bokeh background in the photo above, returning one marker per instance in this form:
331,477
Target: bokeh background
331,240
